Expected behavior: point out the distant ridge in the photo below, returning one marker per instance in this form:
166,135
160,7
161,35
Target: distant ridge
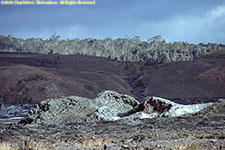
154,50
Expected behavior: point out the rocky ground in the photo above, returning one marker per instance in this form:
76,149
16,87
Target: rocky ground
196,132
202,130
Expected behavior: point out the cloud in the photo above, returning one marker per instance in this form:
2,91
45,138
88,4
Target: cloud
217,12
186,20
192,27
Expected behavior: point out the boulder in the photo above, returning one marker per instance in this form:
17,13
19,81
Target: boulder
110,103
76,109
66,110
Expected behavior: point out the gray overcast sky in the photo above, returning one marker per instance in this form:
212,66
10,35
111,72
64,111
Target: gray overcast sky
193,21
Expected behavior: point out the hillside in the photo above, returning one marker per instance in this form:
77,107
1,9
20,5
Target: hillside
30,78
195,81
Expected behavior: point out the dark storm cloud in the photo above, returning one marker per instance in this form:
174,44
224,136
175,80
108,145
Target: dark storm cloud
186,20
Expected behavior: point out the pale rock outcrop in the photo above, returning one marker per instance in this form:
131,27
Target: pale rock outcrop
152,107
108,106
110,103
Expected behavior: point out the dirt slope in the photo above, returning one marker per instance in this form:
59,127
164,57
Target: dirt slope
187,82
30,78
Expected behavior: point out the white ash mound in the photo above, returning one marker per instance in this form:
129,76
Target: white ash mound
108,106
